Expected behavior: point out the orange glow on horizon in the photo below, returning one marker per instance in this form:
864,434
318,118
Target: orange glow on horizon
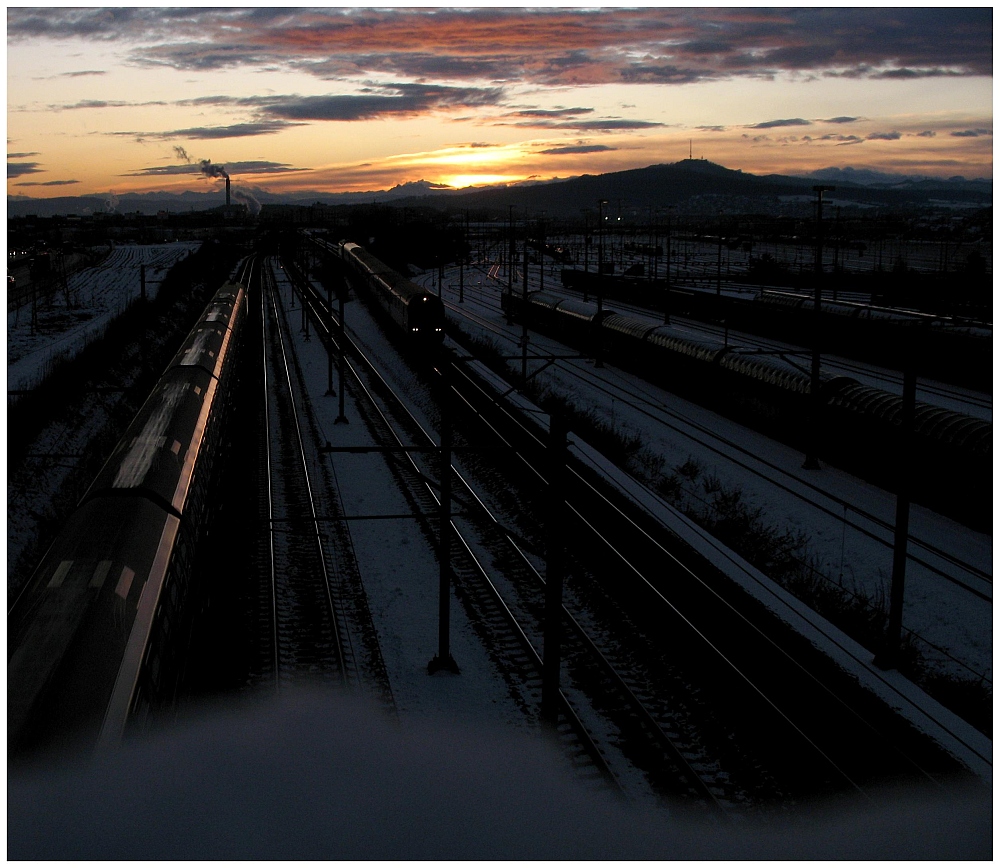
479,180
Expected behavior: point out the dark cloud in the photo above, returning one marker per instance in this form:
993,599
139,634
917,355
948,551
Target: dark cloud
905,72
102,104
713,129
927,134
605,125
45,183
971,134
785,122
16,170
578,149
883,137
165,170
546,45
80,74
397,99
232,131
261,167
67,23
651,73
608,125
246,167
549,113
22,155
839,120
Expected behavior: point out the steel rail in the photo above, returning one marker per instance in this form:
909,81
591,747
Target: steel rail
566,707
313,515
602,384
755,629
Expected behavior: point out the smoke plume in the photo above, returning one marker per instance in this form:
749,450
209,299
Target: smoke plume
247,198
208,168
211,170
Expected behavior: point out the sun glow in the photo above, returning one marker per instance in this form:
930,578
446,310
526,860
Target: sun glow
476,180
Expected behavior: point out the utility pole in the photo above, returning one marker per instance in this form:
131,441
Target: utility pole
718,262
888,657
444,660
330,391
305,312
666,289
836,253
541,253
510,265
524,312
552,649
600,275
341,298
461,261
812,459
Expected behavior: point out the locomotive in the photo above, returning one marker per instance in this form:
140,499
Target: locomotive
96,638
418,314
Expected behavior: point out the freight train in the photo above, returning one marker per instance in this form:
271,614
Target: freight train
949,349
96,638
860,426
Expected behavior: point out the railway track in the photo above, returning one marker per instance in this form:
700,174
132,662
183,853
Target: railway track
397,430
839,747
946,565
313,621
613,677
306,639
502,591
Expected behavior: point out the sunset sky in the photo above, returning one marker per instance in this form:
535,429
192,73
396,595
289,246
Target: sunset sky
122,100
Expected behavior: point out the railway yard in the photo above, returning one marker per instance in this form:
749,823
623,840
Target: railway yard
410,494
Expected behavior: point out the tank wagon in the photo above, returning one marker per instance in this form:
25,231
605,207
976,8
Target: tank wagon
952,452
950,348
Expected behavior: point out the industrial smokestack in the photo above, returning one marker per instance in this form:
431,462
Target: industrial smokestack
227,191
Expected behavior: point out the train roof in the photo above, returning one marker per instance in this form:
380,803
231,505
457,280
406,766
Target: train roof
584,310
768,368
679,341
70,628
627,325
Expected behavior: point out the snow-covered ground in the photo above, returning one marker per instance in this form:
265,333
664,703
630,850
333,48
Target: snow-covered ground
400,576
94,297
831,507
398,567
464,723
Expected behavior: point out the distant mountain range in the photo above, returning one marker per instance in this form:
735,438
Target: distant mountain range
692,185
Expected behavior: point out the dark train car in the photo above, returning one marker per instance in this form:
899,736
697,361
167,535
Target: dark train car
951,459
95,640
625,338
417,313
772,393
942,348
